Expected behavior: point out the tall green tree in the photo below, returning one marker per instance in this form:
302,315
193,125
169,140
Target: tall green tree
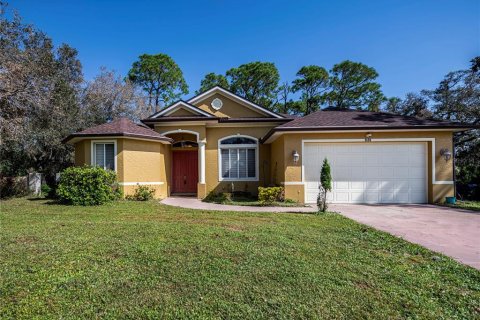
256,82
160,77
283,92
457,98
211,80
415,105
312,82
393,105
352,85
39,88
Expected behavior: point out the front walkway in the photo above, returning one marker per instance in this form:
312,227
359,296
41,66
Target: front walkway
453,232
193,203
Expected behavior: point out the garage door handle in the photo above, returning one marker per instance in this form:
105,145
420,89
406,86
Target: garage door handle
184,179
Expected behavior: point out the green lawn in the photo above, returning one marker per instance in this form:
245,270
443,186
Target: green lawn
469,205
146,260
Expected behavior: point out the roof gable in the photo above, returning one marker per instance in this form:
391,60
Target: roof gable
182,109
203,101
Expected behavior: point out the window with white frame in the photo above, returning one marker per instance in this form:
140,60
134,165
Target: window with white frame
238,158
104,155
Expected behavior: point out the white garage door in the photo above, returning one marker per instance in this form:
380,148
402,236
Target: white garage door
372,172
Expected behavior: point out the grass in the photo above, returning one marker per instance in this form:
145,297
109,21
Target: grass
469,205
147,260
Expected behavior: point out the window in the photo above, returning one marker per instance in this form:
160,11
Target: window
238,158
185,144
104,155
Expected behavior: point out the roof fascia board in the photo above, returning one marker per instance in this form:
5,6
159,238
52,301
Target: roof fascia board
179,104
275,133
75,139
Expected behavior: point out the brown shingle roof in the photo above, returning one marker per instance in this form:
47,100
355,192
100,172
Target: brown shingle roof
354,119
119,127
335,119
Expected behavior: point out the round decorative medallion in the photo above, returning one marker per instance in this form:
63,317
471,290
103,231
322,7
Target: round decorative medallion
217,104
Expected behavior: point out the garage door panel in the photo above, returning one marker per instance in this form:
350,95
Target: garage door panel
357,197
341,185
357,185
401,172
342,173
402,197
416,161
387,185
341,196
417,197
372,185
372,173
387,172
386,197
372,197
416,172
368,172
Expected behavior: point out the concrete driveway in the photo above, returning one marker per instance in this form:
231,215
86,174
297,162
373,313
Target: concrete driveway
453,232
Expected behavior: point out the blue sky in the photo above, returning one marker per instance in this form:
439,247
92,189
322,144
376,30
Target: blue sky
412,44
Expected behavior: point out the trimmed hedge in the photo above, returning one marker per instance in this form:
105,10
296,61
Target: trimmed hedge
269,195
88,186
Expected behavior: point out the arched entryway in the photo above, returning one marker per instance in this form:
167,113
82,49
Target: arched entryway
185,162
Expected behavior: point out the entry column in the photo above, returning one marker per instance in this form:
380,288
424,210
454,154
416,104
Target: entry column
201,162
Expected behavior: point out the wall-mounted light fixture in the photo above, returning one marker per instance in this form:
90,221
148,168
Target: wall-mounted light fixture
368,137
295,156
446,154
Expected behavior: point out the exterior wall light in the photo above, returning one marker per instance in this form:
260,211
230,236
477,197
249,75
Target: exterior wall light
368,137
446,154
295,156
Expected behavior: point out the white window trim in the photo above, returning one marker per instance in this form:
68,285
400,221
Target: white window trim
92,150
237,146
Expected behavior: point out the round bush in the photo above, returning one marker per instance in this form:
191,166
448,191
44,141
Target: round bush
88,186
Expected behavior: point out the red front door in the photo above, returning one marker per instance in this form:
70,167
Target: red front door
184,171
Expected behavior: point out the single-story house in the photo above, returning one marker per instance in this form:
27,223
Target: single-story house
218,141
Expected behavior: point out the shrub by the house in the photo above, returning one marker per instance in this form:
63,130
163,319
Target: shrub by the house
88,186
269,195
325,186
142,193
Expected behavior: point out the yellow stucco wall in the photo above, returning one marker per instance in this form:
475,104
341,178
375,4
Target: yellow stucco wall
200,129
182,113
211,160
230,108
138,161
278,161
293,172
146,161
211,135
82,153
